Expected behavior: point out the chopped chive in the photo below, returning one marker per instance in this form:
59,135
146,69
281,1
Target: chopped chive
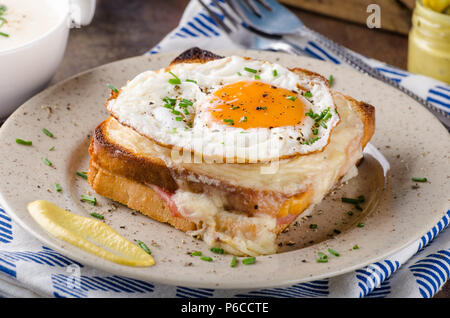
186,102
419,179
24,142
249,261
191,81
82,174
333,252
275,73
355,247
144,247
292,98
4,34
313,226
206,258
97,216
178,118
308,94
174,81
170,101
113,88
48,133
58,187
360,224
239,73
331,80
350,200
176,112
350,213
243,119
361,199
257,77
196,253
250,70
87,198
233,262
315,131
217,250
229,121
52,148
322,255
358,207
47,162
322,260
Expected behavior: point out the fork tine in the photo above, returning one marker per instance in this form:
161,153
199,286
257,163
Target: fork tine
225,13
214,16
252,8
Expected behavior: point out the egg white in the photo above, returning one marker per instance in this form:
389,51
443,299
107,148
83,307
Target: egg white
140,105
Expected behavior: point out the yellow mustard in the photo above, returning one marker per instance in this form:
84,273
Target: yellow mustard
429,42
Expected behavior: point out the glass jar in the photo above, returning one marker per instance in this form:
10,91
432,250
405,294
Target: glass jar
429,43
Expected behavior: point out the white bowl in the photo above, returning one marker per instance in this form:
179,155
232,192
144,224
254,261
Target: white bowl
27,69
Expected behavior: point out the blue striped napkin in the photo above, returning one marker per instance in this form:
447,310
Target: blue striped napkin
29,269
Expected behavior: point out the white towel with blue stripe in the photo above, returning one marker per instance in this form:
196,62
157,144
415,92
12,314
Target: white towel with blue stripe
29,269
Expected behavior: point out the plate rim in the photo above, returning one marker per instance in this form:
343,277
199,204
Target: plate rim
53,242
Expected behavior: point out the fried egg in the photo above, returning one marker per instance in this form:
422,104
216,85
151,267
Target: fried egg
233,109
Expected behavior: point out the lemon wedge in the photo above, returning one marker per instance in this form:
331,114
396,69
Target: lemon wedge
89,234
437,5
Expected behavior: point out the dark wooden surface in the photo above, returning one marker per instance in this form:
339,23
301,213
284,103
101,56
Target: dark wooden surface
126,28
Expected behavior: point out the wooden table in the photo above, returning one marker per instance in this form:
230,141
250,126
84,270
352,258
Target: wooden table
126,28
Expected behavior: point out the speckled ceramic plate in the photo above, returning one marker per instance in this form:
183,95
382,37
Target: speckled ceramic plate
408,142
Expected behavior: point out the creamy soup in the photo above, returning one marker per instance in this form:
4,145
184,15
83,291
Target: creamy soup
22,21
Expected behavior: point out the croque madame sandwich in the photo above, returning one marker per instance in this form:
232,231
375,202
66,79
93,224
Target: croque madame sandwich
229,149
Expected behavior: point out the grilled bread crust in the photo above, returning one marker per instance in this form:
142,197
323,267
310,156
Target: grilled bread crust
124,176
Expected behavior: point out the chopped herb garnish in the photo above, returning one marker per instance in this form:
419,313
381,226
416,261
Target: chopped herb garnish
175,80
315,131
360,224
196,253
144,247
87,198
358,207
191,81
58,187
250,70
229,121
257,77
233,261
24,142
249,261
331,80
313,226
176,112
334,252
97,216
206,258
311,141
114,89
47,162
48,133
308,94
292,98
419,179
186,102
170,101
350,200
4,34
239,73
361,198
275,73
322,255
243,119
356,247
217,250
178,118
52,148
82,174
322,260
350,213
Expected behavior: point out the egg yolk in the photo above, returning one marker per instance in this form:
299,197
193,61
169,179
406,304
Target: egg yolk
254,104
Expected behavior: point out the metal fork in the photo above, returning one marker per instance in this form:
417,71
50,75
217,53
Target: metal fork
270,17
250,39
